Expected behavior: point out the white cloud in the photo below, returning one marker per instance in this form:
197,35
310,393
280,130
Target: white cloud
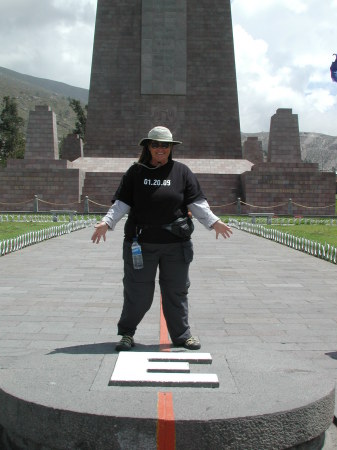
256,7
261,89
321,100
49,39
296,6
249,7
283,53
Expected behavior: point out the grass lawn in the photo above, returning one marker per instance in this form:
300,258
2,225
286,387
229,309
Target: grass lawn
10,230
317,233
321,233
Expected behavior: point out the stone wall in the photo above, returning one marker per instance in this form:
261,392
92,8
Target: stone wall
270,186
222,190
100,187
72,147
252,150
52,181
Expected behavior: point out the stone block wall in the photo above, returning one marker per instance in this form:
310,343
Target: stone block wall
72,147
221,190
100,187
206,119
52,182
252,150
270,186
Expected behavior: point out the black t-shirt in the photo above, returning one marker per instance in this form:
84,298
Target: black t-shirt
157,196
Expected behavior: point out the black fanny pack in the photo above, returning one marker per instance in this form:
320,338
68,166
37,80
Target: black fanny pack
182,227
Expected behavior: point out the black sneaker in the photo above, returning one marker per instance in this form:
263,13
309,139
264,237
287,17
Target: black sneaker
191,343
125,343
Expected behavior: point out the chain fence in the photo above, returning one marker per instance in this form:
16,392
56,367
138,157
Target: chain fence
85,203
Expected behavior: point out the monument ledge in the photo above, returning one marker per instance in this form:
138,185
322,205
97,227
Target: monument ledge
216,166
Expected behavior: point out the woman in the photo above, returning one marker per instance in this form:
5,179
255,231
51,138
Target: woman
154,193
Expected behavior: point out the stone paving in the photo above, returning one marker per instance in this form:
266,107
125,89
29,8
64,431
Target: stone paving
265,312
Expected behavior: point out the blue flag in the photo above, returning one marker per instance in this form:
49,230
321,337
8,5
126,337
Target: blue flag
333,69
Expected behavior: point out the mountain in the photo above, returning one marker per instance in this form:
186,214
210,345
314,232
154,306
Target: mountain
65,90
30,91
319,148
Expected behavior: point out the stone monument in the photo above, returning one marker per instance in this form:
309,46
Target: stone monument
165,63
285,184
41,172
170,63
41,141
284,138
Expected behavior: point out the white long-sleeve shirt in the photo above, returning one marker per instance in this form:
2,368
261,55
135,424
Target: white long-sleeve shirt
199,209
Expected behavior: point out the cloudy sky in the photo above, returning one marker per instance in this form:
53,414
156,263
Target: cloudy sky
283,53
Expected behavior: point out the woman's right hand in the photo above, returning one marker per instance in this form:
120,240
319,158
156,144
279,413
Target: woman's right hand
100,231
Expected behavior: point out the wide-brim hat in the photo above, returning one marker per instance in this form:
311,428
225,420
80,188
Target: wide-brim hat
160,134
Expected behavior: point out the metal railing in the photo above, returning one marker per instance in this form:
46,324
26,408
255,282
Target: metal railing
324,251
34,237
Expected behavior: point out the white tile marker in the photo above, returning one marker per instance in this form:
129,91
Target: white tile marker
161,369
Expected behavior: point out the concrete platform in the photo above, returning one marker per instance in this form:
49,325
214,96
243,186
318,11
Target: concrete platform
214,166
265,313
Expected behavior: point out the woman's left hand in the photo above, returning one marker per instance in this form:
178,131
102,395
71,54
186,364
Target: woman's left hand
223,229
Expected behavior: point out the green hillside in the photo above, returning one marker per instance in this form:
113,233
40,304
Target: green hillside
31,91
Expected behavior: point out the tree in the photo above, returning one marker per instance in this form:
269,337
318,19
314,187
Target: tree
12,141
81,115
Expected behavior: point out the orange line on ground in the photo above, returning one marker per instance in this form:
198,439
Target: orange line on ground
164,341
166,432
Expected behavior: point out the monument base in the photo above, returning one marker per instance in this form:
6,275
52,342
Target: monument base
57,185
263,187
219,179
51,401
269,186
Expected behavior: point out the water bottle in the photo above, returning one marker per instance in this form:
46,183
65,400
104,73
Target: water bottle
137,256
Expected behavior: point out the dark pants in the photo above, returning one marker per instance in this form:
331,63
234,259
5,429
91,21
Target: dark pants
173,261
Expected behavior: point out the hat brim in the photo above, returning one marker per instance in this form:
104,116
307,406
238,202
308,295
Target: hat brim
145,140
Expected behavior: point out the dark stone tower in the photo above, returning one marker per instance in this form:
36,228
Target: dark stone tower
284,138
163,62
42,134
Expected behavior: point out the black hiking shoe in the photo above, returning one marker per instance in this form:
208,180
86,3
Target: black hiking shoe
125,343
191,343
